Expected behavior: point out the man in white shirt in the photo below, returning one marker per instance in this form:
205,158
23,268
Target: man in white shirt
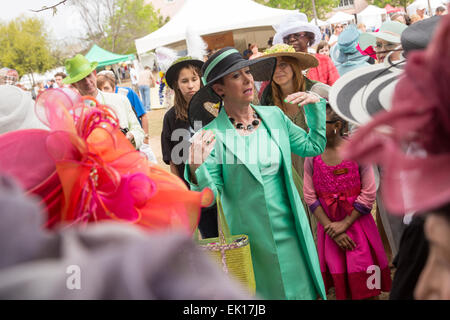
83,77
134,79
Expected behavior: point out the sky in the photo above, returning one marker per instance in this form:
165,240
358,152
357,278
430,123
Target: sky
66,24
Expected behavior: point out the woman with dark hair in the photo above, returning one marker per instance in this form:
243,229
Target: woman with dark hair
244,155
183,76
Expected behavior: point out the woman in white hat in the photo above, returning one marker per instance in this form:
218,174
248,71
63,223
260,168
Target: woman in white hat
386,41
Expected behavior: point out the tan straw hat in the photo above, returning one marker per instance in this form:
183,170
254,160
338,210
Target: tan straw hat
305,60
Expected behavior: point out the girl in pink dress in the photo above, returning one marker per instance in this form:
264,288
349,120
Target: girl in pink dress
341,194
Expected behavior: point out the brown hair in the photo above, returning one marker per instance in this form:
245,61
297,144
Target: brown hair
61,74
298,79
334,117
181,105
322,44
103,78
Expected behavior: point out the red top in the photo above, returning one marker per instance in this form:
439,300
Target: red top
325,72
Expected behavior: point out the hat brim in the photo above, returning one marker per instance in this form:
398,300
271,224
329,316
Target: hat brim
305,60
173,70
368,39
298,27
82,75
360,94
262,70
340,57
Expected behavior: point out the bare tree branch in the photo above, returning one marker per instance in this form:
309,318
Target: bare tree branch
51,7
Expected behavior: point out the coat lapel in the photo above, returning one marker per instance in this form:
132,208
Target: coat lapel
235,143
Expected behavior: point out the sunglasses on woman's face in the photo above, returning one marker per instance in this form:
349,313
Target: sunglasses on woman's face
332,121
296,36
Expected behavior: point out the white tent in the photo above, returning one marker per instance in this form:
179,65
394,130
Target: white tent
372,16
340,17
212,16
433,3
320,23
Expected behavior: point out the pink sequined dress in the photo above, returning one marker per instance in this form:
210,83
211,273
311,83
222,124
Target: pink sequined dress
363,272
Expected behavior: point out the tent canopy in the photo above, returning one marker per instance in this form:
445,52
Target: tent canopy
340,17
371,16
211,16
433,3
372,10
320,23
106,58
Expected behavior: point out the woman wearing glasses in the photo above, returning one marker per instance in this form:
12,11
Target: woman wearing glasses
334,37
385,42
297,32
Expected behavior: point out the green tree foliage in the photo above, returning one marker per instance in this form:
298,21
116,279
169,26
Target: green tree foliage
394,3
305,6
25,46
115,24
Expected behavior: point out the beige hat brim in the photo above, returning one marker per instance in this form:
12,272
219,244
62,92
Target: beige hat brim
305,60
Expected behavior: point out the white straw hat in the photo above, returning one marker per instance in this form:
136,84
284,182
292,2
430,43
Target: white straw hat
297,22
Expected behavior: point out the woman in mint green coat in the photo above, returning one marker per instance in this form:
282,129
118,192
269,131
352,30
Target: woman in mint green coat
244,153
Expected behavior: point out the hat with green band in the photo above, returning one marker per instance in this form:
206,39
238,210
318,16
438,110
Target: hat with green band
220,64
78,68
184,62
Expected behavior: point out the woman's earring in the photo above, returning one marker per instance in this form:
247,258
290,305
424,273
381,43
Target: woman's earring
334,130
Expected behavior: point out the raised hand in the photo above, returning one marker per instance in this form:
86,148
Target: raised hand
302,98
201,147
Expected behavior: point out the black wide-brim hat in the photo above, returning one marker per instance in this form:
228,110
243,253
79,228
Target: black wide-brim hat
172,72
204,105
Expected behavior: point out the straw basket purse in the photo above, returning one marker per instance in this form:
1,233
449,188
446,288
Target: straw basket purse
231,252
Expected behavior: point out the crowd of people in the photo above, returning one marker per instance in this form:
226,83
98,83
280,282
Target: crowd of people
293,142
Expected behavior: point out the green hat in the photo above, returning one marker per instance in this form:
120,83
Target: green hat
390,31
78,68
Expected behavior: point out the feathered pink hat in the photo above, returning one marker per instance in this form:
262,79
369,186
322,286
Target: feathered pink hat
411,142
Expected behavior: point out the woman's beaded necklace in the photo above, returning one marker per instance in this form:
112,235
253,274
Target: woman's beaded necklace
248,127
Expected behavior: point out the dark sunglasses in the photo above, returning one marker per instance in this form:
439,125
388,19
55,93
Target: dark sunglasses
332,121
296,36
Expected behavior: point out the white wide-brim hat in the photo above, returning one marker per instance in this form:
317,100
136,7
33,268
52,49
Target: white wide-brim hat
17,110
297,22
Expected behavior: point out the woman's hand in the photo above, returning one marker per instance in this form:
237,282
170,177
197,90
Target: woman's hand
130,136
336,228
201,147
345,242
302,98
